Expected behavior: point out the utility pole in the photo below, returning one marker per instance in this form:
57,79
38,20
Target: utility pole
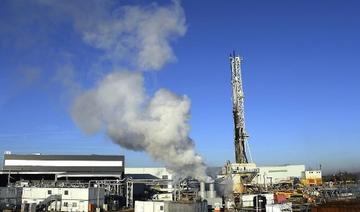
9,178
238,109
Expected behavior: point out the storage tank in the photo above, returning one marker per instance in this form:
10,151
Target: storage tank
259,202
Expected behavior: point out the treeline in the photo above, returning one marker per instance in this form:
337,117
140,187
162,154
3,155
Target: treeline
341,177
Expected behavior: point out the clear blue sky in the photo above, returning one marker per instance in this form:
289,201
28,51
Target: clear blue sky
301,79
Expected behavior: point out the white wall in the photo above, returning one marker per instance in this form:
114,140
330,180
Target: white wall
62,163
277,174
313,174
73,199
149,206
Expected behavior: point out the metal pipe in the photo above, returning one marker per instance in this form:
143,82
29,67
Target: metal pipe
202,190
211,190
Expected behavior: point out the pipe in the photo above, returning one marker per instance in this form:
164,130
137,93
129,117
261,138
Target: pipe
202,190
211,190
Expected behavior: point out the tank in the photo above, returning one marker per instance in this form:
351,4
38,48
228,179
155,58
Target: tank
259,202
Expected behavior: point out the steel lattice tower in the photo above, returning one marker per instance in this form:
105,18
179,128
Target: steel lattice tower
238,109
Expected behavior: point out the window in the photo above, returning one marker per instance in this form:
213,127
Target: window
164,177
66,192
74,204
161,208
49,191
65,204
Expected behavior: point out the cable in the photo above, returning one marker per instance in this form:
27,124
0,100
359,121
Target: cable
248,147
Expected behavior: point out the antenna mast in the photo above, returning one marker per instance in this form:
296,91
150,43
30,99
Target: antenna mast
238,109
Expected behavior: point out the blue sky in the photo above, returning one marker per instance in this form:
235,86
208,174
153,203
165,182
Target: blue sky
300,72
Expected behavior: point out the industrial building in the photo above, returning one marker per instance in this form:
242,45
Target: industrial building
63,182
269,175
60,167
53,198
157,181
266,174
63,199
151,173
159,172
312,178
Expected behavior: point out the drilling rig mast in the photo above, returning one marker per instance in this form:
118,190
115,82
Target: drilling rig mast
240,135
242,172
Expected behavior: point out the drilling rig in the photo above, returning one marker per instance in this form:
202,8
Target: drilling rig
240,135
242,172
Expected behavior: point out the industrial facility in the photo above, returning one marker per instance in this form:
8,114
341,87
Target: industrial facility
38,182
61,182
58,167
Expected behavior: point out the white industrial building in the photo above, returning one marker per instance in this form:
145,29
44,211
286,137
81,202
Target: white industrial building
58,199
35,167
70,199
312,178
46,181
157,172
53,167
313,174
267,174
277,174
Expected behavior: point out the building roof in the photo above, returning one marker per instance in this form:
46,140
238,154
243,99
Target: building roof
64,163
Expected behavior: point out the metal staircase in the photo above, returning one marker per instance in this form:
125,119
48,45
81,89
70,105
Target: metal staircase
43,205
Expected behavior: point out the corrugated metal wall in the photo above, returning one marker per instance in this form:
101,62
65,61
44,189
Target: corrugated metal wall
52,163
188,207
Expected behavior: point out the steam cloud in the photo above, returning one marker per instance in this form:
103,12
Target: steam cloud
136,36
156,125
142,32
119,104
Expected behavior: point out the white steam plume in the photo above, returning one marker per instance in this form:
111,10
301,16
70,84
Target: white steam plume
134,37
156,125
142,32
